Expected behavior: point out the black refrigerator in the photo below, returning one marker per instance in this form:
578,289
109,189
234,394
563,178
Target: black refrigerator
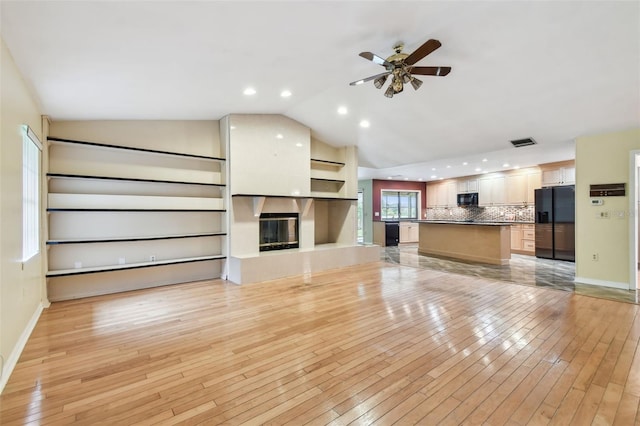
555,222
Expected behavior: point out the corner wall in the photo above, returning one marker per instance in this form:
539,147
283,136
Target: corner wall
21,285
604,158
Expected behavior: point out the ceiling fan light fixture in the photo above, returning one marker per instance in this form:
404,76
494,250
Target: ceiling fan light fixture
379,82
416,83
397,85
389,92
406,78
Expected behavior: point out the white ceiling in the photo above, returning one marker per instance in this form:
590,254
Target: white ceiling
548,70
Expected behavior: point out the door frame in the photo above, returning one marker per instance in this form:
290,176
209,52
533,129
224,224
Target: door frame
634,164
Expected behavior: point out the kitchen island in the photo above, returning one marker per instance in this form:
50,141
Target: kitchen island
483,242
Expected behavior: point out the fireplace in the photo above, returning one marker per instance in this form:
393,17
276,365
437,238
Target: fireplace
278,231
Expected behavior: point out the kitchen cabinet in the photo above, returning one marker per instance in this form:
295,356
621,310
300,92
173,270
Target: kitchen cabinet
521,188
516,237
492,191
467,185
559,176
442,194
408,232
523,239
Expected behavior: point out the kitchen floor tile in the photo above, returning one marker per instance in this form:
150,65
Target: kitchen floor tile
522,269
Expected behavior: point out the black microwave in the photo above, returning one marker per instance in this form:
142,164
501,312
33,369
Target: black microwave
468,199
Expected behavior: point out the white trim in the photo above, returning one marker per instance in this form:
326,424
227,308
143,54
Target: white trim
633,218
601,283
32,136
10,364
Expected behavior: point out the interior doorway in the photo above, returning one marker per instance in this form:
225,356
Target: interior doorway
360,226
634,221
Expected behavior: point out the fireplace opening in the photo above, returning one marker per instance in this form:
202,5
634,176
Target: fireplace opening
278,231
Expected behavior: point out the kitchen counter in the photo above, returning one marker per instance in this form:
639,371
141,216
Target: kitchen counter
482,242
466,222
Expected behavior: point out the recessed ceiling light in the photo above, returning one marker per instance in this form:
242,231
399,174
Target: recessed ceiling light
516,167
279,136
478,169
440,178
505,165
342,110
285,93
406,178
433,176
484,160
465,163
485,172
420,179
299,144
364,123
448,167
433,169
249,91
389,177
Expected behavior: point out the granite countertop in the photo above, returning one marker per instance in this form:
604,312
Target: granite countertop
466,222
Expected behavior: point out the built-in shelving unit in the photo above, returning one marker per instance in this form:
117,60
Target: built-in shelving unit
108,268
119,208
326,178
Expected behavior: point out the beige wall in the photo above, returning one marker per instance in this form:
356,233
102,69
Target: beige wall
21,286
603,158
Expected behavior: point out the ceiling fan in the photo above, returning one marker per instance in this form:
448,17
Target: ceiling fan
401,68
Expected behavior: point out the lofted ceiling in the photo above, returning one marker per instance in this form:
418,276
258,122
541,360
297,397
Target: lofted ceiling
552,71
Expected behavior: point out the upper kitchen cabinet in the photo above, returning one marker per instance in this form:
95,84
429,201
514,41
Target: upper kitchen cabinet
442,194
559,174
521,187
492,191
467,185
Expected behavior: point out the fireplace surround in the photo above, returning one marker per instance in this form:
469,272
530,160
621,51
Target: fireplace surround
278,231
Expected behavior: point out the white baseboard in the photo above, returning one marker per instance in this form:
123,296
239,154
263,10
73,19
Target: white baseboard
602,283
10,363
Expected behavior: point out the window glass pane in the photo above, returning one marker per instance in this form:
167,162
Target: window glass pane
399,205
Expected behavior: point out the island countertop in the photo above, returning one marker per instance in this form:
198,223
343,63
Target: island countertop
483,242
466,222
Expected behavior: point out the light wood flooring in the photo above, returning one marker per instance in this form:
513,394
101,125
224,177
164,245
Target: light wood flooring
373,344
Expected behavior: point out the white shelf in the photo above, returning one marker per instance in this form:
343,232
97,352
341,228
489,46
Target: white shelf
131,202
130,239
108,268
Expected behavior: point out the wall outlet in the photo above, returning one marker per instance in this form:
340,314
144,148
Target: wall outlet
121,261
152,258
595,257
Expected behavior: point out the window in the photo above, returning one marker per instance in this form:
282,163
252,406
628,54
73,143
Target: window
31,148
399,205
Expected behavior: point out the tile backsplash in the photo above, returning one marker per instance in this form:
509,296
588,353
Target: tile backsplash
484,214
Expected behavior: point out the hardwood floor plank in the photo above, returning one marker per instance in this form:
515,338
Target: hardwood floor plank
370,344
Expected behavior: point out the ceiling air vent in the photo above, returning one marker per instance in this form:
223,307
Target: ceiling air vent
518,143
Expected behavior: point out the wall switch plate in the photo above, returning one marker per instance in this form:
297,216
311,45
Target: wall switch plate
77,264
121,261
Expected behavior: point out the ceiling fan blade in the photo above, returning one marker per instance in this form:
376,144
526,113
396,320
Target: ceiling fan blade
376,59
422,51
364,80
437,71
